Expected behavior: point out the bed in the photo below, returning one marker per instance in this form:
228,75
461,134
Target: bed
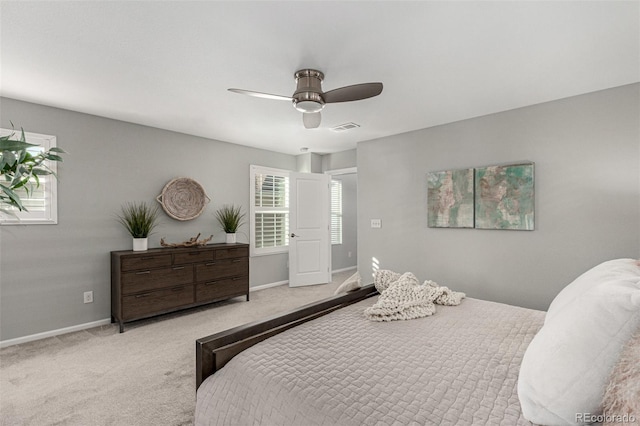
325,364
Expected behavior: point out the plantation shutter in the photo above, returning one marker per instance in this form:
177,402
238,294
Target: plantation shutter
33,197
336,212
271,210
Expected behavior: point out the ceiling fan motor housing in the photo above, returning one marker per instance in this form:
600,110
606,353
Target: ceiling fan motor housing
308,95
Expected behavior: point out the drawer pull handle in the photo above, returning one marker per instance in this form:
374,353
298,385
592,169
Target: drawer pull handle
138,296
237,260
143,272
147,258
210,264
194,253
211,282
177,288
235,278
177,268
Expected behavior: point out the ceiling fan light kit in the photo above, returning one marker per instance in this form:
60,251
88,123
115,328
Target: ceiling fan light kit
308,95
310,99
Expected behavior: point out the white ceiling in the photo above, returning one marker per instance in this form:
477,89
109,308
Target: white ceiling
167,64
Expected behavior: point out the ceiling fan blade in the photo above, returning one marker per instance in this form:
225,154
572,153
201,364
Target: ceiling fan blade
262,95
352,93
311,120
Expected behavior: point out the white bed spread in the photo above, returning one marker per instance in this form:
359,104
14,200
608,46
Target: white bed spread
459,366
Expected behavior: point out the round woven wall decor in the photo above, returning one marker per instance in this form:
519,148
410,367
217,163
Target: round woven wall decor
183,198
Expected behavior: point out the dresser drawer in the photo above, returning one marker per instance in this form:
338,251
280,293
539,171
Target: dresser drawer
192,256
223,288
222,268
130,263
232,252
162,280
143,304
153,279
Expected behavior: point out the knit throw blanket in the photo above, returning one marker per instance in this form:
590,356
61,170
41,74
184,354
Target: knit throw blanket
402,297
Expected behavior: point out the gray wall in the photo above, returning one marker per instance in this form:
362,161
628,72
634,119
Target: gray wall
586,151
340,258
108,163
309,163
339,160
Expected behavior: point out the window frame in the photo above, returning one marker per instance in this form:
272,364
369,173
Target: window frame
335,213
337,172
50,215
253,209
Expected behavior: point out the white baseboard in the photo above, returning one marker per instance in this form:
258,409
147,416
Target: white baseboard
52,333
350,268
279,283
263,286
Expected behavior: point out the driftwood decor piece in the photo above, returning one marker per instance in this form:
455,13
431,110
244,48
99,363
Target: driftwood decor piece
191,242
183,198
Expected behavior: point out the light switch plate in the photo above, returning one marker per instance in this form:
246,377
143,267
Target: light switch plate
376,223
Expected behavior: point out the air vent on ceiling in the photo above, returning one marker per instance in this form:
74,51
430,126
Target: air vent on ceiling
345,126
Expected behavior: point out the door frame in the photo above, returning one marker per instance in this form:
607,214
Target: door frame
337,172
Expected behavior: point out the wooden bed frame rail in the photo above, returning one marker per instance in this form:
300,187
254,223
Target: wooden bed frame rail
214,351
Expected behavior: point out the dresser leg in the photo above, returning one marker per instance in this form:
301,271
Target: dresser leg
247,297
121,326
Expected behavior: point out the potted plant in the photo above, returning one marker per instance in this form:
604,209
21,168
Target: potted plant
20,169
139,219
230,218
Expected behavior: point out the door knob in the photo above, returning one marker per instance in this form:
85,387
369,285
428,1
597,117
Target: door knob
294,235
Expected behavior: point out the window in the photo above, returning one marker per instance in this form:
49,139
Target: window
269,211
336,212
41,201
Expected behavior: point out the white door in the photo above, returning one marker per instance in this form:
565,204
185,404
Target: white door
309,242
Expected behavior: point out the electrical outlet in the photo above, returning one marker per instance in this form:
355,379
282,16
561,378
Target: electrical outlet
88,297
376,223
349,254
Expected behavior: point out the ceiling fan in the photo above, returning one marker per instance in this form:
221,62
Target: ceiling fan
310,99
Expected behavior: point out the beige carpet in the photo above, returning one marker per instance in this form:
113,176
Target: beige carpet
145,376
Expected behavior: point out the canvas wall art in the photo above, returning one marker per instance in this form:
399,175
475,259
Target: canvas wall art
450,199
504,197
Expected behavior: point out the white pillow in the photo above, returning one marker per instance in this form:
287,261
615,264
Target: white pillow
350,284
565,369
609,270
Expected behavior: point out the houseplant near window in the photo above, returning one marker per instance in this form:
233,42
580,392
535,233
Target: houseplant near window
230,218
20,169
139,219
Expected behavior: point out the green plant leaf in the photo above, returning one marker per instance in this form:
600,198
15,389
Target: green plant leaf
13,145
18,181
139,219
52,157
9,157
230,218
40,171
14,199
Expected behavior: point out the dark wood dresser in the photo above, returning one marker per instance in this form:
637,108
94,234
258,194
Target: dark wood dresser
157,281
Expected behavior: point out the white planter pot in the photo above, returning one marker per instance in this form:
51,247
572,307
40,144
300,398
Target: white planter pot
231,238
140,244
